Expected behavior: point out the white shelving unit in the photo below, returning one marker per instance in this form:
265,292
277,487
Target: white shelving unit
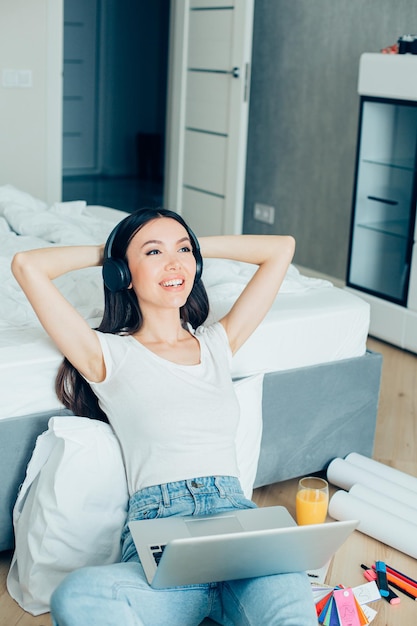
382,264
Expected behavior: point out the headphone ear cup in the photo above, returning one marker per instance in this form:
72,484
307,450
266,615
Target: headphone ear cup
197,255
116,275
199,265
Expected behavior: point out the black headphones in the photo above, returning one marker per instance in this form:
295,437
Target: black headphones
116,273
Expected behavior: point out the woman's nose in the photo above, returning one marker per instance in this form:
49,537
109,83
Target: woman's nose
173,262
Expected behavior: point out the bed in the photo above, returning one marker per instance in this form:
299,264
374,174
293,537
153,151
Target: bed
320,385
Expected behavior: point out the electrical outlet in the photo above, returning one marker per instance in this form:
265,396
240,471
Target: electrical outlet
17,78
264,213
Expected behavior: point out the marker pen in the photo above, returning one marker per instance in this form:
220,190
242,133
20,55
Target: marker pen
400,584
370,576
369,573
404,577
381,578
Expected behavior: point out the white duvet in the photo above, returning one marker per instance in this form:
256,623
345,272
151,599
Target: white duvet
26,224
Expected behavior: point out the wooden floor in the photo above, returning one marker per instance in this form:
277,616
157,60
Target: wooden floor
395,445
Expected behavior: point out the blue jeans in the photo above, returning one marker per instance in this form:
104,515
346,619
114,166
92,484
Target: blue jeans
119,594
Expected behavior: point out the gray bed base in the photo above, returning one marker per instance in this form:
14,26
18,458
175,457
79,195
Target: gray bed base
310,416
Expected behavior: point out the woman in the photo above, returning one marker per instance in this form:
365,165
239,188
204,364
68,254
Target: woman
164,384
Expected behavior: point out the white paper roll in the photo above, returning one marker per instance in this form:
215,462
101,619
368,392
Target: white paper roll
382,470
375,522
384,502
345,475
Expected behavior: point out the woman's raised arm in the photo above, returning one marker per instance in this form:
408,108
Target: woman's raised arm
273,254
35,271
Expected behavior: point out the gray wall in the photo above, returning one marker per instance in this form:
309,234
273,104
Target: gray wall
304,116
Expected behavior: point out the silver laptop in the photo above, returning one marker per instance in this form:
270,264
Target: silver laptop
238,544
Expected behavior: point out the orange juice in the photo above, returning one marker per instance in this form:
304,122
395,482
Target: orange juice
311,506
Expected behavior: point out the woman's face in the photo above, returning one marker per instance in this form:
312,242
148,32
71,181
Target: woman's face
162,264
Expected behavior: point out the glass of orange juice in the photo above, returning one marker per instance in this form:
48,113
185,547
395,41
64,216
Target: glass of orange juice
312,500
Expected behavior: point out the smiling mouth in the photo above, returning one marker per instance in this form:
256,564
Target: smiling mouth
175,282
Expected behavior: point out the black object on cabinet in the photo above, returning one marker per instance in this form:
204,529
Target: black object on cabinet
384,199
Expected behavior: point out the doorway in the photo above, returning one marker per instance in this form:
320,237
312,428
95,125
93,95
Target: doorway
114,108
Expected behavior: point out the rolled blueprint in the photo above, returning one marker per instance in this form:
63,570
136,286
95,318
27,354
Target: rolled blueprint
384,502
345,475
382,470
386,527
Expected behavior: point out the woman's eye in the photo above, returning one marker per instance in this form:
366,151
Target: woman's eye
150,252
185,249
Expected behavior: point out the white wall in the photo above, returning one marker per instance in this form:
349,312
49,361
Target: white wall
30,117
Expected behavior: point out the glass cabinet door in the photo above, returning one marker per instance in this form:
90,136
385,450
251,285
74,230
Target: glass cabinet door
384,200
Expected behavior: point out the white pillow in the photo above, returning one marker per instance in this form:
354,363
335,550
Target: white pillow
11,195
74,512
249,432
64,223
72,505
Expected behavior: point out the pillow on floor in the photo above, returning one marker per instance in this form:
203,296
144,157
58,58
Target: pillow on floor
72,506
70,510
249,432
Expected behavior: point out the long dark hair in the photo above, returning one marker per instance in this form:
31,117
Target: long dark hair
122,314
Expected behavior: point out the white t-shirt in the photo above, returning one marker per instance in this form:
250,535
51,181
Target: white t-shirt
173,422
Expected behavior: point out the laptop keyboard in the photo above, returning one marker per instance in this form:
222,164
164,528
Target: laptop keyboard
157,552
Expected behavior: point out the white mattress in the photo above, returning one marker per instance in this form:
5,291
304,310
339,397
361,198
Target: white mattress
310,322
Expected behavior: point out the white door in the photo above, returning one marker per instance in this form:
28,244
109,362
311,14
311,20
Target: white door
208,104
